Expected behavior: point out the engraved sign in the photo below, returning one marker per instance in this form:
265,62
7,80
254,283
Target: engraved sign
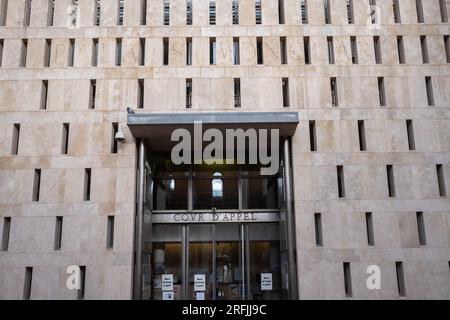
215,217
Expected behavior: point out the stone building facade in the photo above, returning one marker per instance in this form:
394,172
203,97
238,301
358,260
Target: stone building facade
369,80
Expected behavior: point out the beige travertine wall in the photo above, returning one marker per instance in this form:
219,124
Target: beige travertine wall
320,275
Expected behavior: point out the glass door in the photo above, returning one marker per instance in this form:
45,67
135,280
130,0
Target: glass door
215,268
166,263
227,261
201,267
263,263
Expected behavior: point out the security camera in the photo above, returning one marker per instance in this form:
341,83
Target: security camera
120,136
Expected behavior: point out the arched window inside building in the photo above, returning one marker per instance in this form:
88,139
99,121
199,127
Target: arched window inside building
217,185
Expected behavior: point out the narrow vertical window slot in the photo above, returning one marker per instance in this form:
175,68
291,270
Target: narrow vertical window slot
188,51
3,12
143,12
165,51
237,92
1,51
377,50
87,185
258,12
212,51
334,92
44,94
81,291
318,229
23,54
236,52
443,10
419,9
441,180
71,53
5,233
235,11
327,11
285,85
347,280
114,130
373,11
50,13
27,13
65,138
400,50
341,181
15,139
396,9
401,288
429,88
166,12
381,92
307,50
92,94
312,136
36,185
188,93
118,52
120,13
421,229
330,46
369,229
47,52
212,12
58,233
94,61
424,48
27,283
304,11
281,14
447,47
390,180
110,233
362,135
283,50
74,11
141,91
189,12
142,52
410,134
259,50
97,13
350,13
354,49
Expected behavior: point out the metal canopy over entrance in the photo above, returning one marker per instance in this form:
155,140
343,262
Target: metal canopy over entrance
157,127
196,204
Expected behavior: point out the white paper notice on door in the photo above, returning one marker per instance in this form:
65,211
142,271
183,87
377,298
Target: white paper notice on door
266,281
199,282
167,282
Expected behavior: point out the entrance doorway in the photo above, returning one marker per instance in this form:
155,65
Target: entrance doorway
229,222
222,261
